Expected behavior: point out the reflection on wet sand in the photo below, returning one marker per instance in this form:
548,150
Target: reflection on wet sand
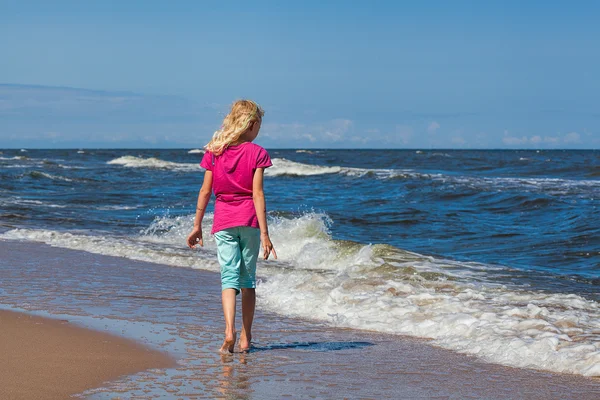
235,382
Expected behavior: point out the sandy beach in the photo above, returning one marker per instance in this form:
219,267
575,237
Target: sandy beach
177,310
52,359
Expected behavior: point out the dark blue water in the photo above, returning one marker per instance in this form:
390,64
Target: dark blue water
535,212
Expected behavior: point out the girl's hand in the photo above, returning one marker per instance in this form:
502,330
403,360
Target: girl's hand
267,246
195,238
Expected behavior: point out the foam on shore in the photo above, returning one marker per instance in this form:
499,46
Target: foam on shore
384,289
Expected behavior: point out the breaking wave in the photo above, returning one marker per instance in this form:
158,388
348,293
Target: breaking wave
382,288
140,162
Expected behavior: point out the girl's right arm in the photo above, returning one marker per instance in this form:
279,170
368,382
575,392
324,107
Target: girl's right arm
195,237
258,196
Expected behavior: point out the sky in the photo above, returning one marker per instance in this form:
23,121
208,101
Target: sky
329,74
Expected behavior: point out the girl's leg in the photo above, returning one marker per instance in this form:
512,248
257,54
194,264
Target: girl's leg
250,246
230,259
248,305
228,298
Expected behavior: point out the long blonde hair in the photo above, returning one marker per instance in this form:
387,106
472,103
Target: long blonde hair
235,124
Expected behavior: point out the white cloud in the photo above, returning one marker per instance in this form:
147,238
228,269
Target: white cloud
310,137
572,137
482,140
51,135
535,140
433,126
359,139
150,139
404,133
513,140
335,129
282,131
459,140
550,140
332,131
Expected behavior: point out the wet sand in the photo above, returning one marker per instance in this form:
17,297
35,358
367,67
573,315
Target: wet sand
178,310
52,359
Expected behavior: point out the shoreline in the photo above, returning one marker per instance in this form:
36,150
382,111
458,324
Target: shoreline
178,310
53,359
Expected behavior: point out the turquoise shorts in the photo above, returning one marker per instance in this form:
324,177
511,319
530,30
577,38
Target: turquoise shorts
237,251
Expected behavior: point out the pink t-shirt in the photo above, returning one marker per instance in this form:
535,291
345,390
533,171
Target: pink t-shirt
233,173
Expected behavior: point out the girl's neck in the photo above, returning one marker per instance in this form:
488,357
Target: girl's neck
239,141
242,139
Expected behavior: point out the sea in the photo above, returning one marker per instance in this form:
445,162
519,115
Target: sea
491,253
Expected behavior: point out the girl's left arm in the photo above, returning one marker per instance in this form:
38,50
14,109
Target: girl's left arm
258,196
195,237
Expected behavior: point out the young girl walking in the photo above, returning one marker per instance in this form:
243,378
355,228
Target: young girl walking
234,171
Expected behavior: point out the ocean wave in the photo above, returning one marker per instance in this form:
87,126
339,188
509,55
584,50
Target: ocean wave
281,166
40,175
196,151
140,162
551,186
114,207
17,201
63,166
14,158
18,166
285,167
554,186
307,151
40,163
382,288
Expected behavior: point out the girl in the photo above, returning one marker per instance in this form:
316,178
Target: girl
234,171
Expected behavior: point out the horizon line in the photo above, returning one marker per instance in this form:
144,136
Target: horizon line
307,148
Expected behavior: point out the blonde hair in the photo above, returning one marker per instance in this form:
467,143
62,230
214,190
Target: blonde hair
235,124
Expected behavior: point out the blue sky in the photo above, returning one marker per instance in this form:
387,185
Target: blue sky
339,74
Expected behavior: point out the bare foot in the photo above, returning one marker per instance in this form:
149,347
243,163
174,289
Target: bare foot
228,344
245,342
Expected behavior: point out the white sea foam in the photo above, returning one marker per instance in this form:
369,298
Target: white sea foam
40,163
554,186
114,246
285,167
109,208
196,151
140,162
11,201
69,166
382,288
49,176
18,166
282,166
14,158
